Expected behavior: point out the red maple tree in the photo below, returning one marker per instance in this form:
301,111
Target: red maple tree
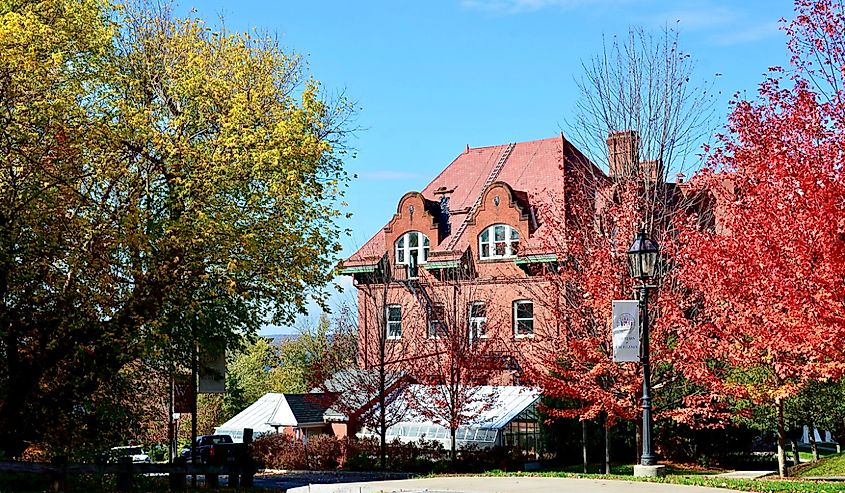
572,356
769,279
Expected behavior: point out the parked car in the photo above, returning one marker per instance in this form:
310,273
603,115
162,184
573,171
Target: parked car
137,453
213,449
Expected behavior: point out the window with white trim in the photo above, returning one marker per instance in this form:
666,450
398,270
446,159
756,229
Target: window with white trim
523,318
477,320
498,241
411,251
436,320
394,321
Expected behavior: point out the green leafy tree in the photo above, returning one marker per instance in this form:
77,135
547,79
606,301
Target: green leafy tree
248,375
299,355
261,367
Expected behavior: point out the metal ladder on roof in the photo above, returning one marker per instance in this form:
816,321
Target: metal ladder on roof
494,173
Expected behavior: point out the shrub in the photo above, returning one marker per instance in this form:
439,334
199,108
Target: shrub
362,454
279,451
420,456
324,452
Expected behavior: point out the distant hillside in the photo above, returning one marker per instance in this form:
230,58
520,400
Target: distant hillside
278,339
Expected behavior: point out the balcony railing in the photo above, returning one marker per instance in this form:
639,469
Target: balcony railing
402,272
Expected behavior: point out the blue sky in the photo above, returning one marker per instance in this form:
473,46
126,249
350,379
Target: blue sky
431,77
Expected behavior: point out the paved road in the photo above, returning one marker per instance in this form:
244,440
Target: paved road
501,485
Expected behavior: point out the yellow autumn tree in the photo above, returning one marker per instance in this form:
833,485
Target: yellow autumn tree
163,183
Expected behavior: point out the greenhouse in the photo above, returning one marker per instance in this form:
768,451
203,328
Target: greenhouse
505,416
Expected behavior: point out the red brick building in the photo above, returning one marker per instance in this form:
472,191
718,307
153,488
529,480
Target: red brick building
471,248
476,228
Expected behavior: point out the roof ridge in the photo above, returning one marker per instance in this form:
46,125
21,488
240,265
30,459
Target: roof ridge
465,175
516,143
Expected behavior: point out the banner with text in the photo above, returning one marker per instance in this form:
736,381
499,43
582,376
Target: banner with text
183,394
626,330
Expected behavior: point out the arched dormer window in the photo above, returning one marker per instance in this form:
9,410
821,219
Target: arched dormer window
498,241
412,250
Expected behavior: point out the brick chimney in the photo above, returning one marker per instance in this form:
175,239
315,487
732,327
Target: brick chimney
622,153
652,170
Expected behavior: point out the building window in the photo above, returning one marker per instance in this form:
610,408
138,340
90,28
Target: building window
498,241
411,251
394,321
523,318
477,320
436,320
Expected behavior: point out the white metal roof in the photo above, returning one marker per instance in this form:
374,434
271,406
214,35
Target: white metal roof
497,405
256,416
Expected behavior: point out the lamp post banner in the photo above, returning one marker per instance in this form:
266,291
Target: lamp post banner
626,331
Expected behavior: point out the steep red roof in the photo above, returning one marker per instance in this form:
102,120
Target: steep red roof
534,168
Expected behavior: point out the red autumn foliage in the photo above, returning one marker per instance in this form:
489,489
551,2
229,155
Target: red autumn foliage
572,357
771,281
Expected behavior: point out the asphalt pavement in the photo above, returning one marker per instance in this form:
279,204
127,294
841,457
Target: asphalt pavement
472,484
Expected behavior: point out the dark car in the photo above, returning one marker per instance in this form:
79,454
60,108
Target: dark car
212,449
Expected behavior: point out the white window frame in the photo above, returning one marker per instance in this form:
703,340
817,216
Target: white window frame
510,244
517,319
476,324
433,332
390,324
403,251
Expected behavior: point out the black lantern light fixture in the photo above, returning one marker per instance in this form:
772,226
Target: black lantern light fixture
642,257
642,264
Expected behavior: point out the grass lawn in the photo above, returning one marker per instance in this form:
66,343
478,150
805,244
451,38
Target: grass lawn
806,456
676,475
833,465
628,469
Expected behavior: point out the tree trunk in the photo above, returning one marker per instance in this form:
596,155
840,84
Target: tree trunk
781,439
382,437
453,453
584,443
606,448
638,448
194,369
811,437
796,457
382,389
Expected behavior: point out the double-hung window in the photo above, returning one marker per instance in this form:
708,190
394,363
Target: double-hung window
436,320
477,320
523,318
394,321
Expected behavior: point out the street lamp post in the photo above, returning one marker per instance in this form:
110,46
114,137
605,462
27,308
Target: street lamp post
642,264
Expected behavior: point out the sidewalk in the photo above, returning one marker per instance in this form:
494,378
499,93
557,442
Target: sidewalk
744,474
469,484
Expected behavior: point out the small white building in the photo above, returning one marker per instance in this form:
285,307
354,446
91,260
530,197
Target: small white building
299,415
